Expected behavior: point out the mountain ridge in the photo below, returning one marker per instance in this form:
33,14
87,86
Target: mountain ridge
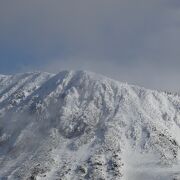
80,125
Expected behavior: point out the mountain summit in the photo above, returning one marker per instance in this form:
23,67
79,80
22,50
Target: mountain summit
79,125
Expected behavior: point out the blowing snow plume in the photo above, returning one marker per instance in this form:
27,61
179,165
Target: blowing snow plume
78,125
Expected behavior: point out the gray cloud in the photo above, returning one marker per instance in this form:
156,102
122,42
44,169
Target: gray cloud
130,40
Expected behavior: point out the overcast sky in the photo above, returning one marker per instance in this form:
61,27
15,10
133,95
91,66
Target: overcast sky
136,41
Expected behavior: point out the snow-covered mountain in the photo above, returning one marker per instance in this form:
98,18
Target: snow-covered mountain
79,125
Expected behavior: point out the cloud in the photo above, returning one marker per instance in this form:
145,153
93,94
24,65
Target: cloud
144,74
98,35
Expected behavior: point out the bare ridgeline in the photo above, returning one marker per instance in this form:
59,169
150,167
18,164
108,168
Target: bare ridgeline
78,125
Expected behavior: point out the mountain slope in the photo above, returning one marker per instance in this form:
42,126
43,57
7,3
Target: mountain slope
79,125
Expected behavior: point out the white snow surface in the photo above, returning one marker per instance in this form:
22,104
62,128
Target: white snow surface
78,125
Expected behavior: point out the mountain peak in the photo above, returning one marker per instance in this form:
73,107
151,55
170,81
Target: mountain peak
80,125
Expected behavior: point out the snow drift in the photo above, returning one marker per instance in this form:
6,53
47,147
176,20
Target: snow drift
79,125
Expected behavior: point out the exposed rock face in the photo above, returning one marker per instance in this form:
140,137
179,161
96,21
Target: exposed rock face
79,125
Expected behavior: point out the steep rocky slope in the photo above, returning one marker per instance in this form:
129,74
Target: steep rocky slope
79,125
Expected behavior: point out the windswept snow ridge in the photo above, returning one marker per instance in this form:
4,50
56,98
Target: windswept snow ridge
79,125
